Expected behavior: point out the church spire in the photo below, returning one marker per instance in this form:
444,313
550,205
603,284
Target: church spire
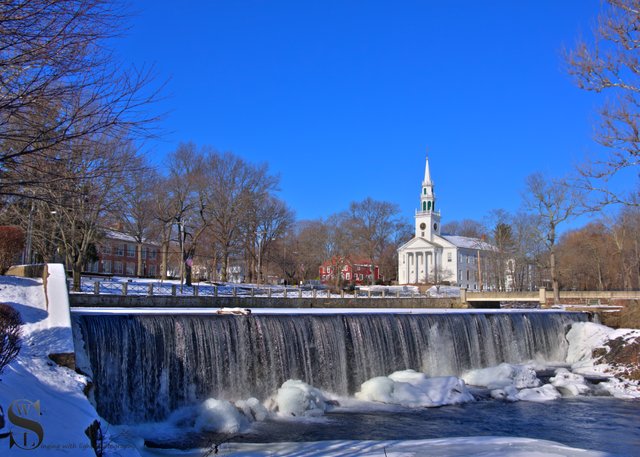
427,172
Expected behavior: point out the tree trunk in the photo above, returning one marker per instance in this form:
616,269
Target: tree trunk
140,272
77,276
554,278
225,264
165,257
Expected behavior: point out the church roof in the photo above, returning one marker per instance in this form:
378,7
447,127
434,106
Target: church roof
447,241
469,243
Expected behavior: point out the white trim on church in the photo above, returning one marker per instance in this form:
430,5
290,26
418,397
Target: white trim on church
432,258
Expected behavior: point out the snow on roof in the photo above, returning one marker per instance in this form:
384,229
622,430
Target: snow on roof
469,243
110,234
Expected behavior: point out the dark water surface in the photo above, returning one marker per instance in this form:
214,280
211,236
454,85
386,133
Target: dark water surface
595,423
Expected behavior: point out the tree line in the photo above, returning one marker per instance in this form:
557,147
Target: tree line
72,119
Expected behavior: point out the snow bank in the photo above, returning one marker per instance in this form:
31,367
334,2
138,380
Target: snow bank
485,446
413,389
443,291
296,398
65,412
584,338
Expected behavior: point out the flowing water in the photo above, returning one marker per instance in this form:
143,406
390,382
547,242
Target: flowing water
146,366
597,423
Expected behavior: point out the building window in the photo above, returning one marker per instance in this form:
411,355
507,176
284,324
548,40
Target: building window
131,250
131,268
347,276
106,266
467,275
144,252
424,191
449,257
152,254
106,249
117,267
120,249
424,206
151,270
429,206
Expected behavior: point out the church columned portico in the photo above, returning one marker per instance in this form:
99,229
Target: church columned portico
419,266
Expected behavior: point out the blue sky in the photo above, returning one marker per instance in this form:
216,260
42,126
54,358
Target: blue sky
342,98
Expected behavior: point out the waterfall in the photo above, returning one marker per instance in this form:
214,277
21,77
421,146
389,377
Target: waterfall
146,366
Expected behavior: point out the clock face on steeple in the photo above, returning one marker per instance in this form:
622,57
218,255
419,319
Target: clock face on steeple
423,226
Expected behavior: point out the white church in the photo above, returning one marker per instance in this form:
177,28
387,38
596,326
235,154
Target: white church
432,258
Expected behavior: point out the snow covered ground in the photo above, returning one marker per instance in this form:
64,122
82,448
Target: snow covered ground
140,286
65,412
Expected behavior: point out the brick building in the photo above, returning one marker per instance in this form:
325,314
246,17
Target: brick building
352,271
118,255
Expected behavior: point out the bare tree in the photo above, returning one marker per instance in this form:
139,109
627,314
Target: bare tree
338,244
553,202
138,210
163,218
61,86
311,239
372,225
466,227
185,193
81,205
266,222
234,187
609,65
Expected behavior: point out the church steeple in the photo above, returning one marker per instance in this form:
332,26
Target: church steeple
427,218
427,196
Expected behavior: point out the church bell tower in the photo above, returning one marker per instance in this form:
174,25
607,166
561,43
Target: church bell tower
427,218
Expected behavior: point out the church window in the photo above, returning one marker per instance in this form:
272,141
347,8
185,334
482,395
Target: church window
428,206
424,191
424,206
433,206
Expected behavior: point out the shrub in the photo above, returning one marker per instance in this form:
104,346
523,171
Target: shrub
10,341
11,245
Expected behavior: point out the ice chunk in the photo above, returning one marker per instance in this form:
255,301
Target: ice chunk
569,384
503,375
410,388
253,409
297,398
539,394
220,416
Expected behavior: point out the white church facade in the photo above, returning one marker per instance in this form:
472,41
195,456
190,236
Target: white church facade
433,258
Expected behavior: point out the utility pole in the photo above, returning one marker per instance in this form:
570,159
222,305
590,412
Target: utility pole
479,272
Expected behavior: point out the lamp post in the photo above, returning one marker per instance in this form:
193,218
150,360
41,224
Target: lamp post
26,256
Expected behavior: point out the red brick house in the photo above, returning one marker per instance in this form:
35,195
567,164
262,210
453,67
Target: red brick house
118,255
352,271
